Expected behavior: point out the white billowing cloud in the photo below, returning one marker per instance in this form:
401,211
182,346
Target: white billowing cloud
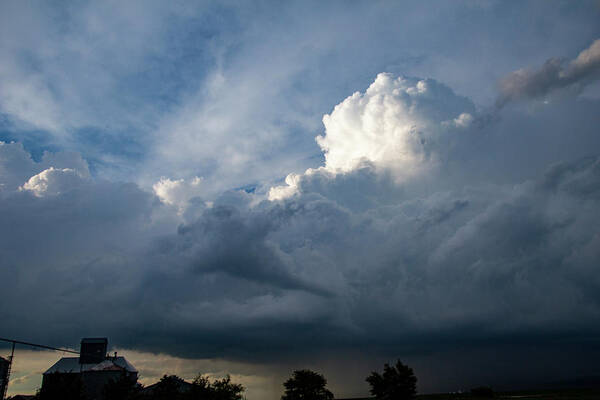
395,123
17,166
464,120
52,181
290,188
177,192
398,124
555,74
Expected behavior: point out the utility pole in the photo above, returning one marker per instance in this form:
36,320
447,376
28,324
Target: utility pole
6,373
12,355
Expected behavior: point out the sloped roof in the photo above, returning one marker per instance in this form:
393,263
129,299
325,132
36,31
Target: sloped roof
71,365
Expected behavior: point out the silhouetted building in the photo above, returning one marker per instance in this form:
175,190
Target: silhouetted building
93,350
94,368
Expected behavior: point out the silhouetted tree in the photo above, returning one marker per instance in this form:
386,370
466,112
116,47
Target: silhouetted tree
124,388
306,385
174,388
224,389
58,386
201,389
397,383
169,388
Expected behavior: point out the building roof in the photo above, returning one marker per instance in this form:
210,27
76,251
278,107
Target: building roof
71,365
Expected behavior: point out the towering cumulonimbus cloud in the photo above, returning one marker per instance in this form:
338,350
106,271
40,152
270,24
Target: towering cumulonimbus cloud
555,74
398,124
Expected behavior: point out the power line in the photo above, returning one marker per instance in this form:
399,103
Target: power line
12,356
38,345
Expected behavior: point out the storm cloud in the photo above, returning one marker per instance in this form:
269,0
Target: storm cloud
357,203
352,256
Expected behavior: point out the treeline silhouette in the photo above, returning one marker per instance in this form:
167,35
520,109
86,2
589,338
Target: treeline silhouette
170,387
397,382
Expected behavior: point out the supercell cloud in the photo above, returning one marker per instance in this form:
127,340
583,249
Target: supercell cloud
374,235
423,223
400,125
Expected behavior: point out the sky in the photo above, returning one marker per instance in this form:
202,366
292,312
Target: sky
257,187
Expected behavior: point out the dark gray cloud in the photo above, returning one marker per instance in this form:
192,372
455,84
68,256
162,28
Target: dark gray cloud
477,268
553,75
308,270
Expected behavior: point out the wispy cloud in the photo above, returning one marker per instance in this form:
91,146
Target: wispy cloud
555,74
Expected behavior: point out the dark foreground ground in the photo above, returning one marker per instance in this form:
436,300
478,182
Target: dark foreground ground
566,394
